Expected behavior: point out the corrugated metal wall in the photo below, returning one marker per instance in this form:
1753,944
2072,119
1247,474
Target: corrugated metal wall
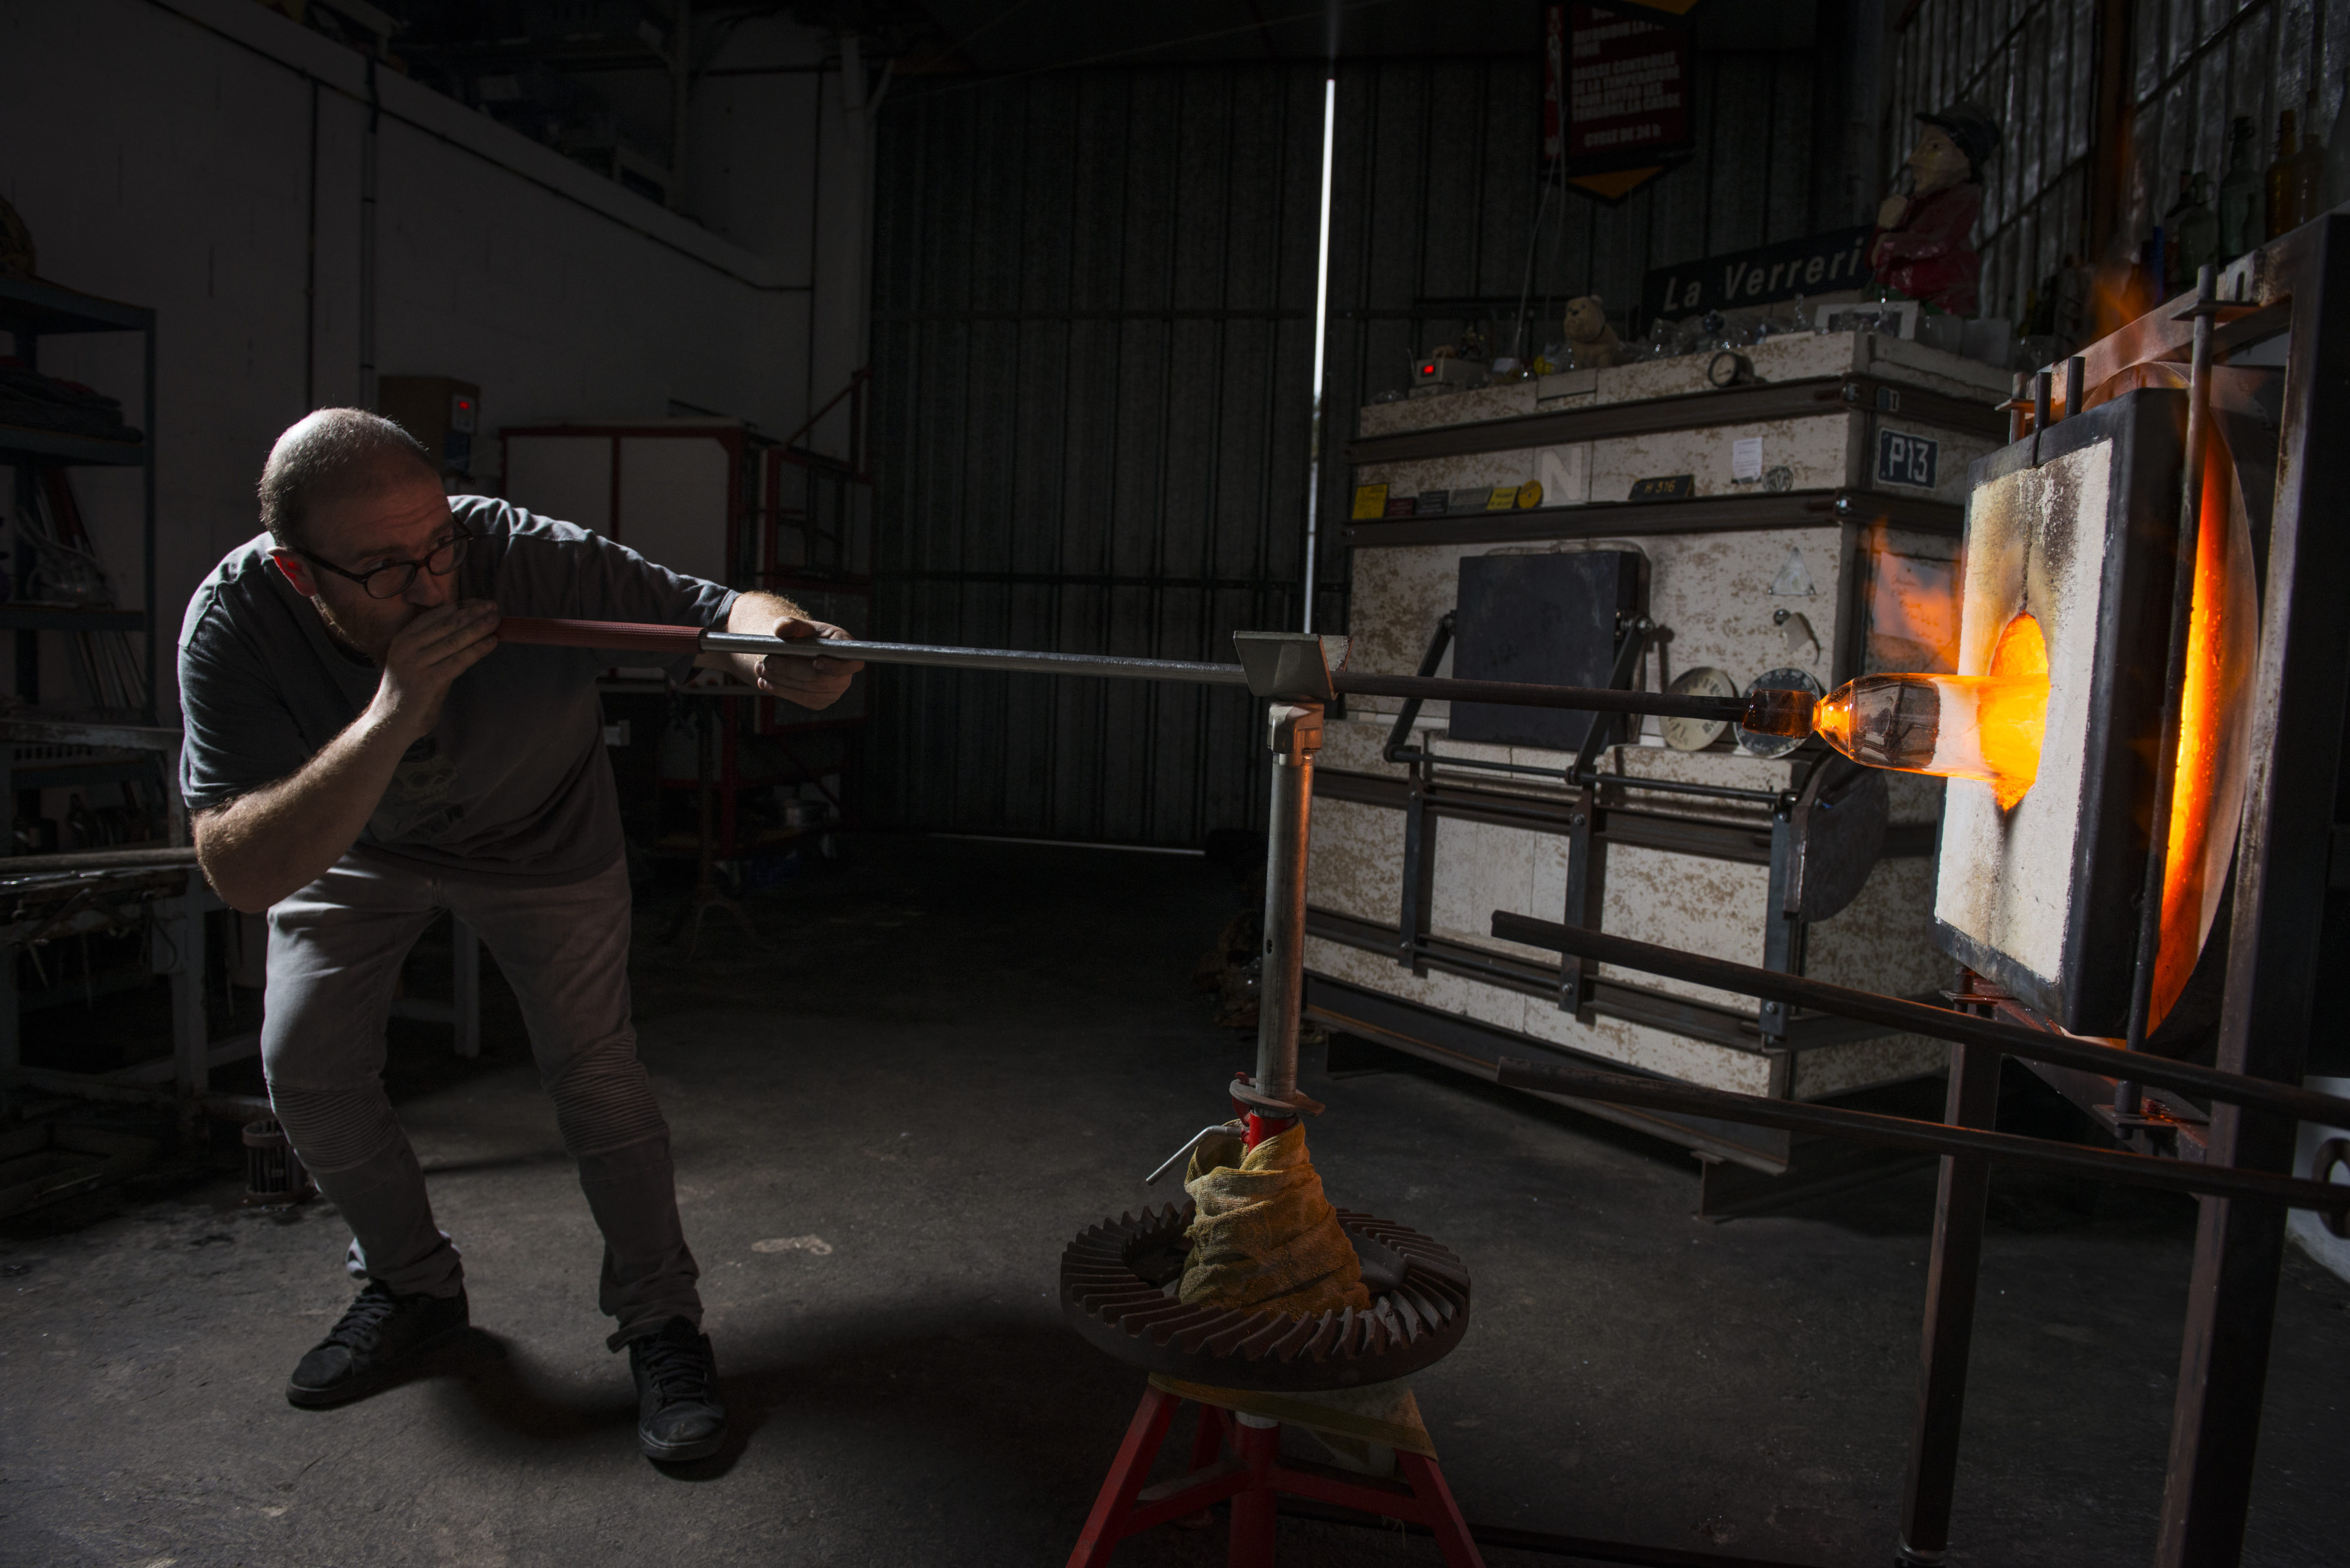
1093,300
1092,344
2193,65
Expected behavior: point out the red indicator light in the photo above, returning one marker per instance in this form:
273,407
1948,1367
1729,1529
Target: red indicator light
1427,370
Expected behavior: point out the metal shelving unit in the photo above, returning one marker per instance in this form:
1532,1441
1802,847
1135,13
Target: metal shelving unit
31,310
51,896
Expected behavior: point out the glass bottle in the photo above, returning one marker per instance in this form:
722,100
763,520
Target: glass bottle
2309,166
2337,151
2240,194
2170,257
2198,228
1987,728
2283,187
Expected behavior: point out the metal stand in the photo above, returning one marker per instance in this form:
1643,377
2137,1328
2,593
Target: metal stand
111,890
1273,1102
1972,1102
1253,1478
1292,670
2273,990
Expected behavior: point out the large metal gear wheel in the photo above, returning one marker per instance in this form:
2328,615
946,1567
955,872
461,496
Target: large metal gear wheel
1118,1284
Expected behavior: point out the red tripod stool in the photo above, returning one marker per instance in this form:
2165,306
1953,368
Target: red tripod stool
1253,1476
1249,1370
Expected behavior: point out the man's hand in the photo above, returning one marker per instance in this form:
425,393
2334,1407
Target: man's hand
281,837
425,656
816,682
1891,211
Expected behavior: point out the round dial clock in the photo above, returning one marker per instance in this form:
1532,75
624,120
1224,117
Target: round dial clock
1697,734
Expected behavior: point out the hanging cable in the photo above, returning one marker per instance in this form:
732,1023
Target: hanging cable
1551,177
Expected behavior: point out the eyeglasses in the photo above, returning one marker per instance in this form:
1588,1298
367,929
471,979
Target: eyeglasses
393,578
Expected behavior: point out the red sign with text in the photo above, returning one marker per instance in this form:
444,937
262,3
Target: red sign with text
1627,85
1554,80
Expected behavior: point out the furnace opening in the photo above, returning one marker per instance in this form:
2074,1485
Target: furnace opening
2013,710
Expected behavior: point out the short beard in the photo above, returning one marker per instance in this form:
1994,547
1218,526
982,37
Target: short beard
349,639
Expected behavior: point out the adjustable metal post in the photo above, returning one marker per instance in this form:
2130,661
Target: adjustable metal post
1292,670
1295,729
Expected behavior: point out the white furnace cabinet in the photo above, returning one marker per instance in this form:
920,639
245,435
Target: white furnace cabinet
1808,531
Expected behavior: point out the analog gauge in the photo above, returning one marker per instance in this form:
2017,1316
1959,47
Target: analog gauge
1788,680
1697,734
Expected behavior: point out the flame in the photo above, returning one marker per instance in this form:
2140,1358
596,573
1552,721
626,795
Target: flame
2011,715
1986,727
1913,607
2003,746
2120,291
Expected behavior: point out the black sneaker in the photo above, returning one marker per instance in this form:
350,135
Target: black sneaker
677,1413
378,1338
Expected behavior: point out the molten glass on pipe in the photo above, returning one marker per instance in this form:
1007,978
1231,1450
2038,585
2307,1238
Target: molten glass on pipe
1988,728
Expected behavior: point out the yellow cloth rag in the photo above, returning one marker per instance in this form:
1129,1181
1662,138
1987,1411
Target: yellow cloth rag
1264,1235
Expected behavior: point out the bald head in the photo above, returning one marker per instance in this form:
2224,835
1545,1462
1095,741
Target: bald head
332,456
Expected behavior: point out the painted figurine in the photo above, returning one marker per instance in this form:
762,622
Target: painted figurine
1923,246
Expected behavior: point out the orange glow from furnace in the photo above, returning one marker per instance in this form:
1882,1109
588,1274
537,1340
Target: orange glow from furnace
1913,608
2220,639
2012,715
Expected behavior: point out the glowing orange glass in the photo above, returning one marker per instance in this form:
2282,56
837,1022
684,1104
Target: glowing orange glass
1982,727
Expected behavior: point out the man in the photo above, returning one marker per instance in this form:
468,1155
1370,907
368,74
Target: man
362,754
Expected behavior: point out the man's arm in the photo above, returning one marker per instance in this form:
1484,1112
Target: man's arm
810,682
281,837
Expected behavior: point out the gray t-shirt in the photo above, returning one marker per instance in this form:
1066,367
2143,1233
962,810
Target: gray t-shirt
511,785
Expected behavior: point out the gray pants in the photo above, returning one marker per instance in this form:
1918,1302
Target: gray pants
335,952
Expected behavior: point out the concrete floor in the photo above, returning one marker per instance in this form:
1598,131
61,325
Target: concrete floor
948,1059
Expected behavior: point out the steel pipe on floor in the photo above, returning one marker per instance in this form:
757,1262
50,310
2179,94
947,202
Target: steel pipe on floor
1927,1138
1921,1018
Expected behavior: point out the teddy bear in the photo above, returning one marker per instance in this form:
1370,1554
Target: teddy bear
1590,341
